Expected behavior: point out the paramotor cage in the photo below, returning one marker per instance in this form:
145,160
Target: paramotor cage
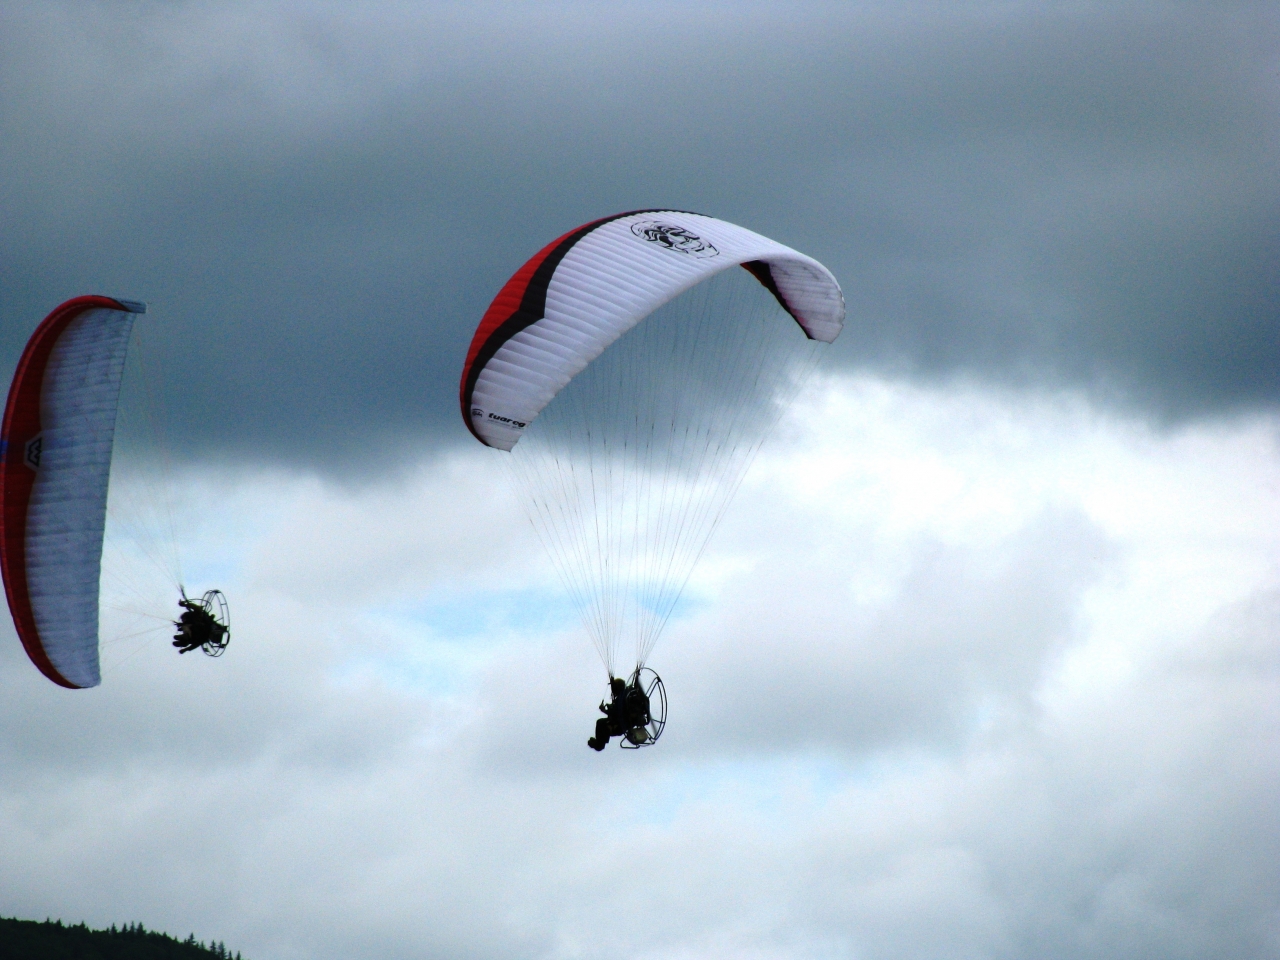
647,734
215,605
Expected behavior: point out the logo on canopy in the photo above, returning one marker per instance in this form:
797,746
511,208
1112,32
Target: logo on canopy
31,455
498,419
674,237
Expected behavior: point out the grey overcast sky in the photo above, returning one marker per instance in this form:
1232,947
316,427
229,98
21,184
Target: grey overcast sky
990,672
319,201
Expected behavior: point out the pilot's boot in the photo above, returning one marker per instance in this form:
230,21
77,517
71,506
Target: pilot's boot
595,744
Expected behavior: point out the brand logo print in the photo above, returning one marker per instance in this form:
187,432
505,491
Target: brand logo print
674,237
477,412
518,424
31,454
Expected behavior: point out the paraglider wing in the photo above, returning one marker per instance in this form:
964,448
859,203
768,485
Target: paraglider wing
55,461
583,291
631,374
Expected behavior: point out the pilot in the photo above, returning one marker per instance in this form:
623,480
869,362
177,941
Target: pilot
625,715
196,627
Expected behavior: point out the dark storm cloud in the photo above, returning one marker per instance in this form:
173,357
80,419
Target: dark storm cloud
319,205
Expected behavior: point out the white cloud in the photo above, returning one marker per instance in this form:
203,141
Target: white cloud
969,674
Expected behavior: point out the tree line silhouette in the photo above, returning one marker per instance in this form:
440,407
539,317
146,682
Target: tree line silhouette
52,940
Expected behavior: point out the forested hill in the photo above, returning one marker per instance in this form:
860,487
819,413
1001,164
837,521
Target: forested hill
50,940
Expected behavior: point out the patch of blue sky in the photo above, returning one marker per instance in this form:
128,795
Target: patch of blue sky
689,604
424,667
774,788
201,539
486,616
211,571
438,645
197,570
215,547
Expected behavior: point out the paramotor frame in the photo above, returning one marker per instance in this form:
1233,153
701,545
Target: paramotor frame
646,736
215,605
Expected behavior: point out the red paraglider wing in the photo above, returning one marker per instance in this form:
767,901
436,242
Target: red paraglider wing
55,453
582,291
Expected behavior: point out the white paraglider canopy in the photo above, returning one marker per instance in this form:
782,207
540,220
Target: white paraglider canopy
633,375
57,447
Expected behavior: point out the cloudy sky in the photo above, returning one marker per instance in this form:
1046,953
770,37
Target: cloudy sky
991,672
